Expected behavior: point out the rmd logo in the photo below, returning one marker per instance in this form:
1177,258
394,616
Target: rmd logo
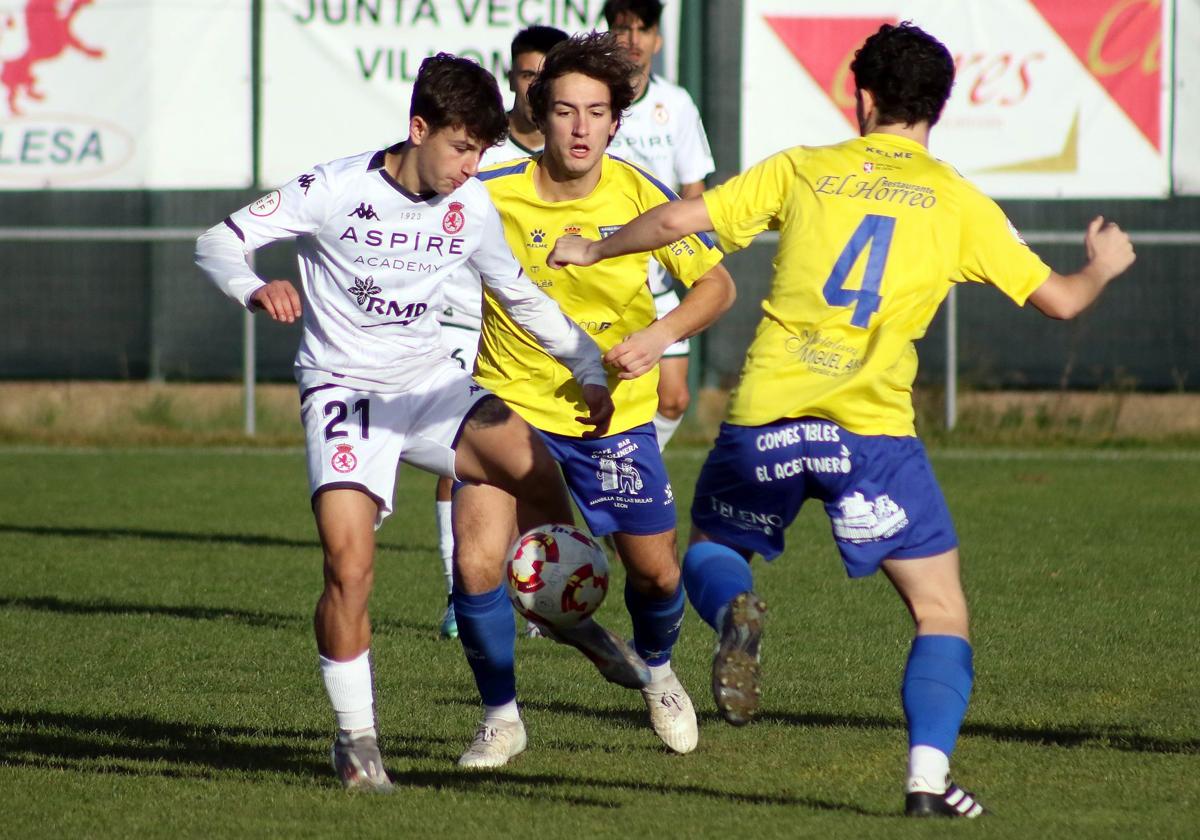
50,148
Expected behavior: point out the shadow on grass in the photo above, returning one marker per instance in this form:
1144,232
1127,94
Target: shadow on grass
251,540
253,618
146,747
1102,737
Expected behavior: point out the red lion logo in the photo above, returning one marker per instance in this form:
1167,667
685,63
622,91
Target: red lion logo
49,35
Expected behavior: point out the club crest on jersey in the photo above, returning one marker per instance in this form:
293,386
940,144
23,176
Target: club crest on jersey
572,230
344,459
454,219
661,114
537,238
266,205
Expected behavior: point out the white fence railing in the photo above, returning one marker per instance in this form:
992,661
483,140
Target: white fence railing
179,234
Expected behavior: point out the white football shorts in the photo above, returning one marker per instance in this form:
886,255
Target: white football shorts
664,303
356,439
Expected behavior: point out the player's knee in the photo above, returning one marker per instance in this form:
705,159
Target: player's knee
348,572
941,613
673,402
476,573
673,409
657,583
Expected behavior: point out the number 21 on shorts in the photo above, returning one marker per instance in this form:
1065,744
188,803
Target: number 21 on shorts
874,234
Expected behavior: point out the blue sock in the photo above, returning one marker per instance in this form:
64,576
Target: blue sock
656,623
714,575
488,635
937,685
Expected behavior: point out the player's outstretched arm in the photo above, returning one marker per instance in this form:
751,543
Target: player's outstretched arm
1109,252
707,300
655,228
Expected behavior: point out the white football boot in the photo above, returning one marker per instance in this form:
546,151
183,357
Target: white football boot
672,715
495,742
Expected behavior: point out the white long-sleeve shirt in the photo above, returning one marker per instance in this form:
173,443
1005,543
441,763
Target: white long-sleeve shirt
373,259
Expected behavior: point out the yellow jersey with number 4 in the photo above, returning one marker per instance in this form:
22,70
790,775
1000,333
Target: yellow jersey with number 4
872,234
610,300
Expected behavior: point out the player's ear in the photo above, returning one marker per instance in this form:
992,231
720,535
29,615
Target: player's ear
418,130
864,109
658,41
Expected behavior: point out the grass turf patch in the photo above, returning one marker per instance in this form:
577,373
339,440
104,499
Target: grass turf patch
159,671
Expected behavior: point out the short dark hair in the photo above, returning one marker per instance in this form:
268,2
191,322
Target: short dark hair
594,54
649,12
908,71
452,91
537,39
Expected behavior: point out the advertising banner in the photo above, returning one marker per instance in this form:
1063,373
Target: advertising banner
125,94
338,74
1187,98
1052,98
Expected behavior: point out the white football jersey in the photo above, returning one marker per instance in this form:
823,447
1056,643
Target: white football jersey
373,259
463,296
662,133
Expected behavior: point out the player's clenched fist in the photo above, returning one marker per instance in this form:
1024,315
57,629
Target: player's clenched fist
279,299
571,250
1108,247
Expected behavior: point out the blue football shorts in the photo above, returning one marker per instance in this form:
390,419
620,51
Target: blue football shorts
879,491
618,482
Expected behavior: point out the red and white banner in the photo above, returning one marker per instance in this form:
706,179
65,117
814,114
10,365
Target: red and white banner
1052,98
118,94
338,74
1187,97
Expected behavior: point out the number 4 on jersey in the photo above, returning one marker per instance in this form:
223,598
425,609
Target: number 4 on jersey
873,233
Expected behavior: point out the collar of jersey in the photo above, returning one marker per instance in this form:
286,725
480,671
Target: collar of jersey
649,84
606,163
895,140
376,165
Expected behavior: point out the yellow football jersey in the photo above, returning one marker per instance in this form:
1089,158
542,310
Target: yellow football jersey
872,233
610,300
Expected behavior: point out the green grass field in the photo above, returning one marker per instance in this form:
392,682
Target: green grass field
158,679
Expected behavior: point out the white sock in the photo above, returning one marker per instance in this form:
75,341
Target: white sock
446,542
507,712
658,673
348,685
665,427
928,769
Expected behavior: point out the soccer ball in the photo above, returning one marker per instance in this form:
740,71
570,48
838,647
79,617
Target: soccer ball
557,575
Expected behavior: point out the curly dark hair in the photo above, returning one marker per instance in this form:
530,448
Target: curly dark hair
649,12
596,55
452,91
908,71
